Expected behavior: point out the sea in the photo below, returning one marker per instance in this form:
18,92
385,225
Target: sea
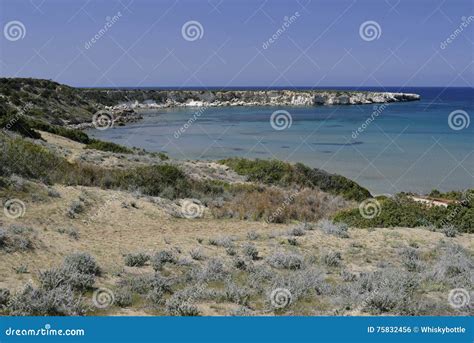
389,148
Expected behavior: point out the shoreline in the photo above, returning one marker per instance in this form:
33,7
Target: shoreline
126,112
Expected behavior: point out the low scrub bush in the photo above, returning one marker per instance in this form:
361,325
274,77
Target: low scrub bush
140,284
411,259
76,207
225,241
332,259
17,238
136,259
285,260
60,301
4,297
253,235
251,251
82,263
197,254
385,291
453,266
297,231
77,272
450,231
237,294
123,297
335,229
59,277
177,306
162,257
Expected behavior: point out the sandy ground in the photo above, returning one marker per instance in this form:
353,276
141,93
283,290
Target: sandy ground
108,230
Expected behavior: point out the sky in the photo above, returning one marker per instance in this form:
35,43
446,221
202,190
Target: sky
229,42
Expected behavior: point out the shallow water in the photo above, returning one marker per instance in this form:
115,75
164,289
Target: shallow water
407,147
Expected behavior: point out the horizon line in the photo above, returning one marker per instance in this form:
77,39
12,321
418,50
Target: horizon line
266,87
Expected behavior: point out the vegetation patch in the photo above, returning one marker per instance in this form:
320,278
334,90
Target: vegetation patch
274,172
402,211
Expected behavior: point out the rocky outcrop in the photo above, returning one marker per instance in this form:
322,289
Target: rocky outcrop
186,98
126,112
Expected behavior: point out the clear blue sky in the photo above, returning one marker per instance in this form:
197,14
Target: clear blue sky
322,47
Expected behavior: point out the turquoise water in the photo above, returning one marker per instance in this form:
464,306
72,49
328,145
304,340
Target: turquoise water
407,147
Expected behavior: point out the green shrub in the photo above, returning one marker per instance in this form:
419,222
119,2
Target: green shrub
108,146
75,135
284,174
18,123
32,161
155,180
404,212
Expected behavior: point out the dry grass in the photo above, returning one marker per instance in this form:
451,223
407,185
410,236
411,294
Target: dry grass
149,229
275,205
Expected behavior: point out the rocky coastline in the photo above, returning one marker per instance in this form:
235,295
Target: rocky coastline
129,111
